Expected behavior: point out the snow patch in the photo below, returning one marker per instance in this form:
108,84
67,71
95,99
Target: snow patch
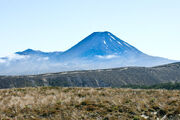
127,44
105,42
107,56
111,36
119,43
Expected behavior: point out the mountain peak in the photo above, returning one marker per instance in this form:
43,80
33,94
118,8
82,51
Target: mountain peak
39,53
27,52
101,44
105,33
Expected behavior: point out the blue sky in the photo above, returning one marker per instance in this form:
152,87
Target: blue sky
152,26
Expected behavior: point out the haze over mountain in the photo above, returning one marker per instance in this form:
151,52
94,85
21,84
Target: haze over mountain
97,51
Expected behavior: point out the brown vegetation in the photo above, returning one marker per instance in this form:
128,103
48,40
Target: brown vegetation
54,103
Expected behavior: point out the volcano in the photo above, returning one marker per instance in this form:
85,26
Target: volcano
101,44
105,47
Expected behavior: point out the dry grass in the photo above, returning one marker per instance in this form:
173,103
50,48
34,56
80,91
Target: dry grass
51,103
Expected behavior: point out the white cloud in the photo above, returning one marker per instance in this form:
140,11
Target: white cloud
107,56
46,58
43,58
11,57
2,61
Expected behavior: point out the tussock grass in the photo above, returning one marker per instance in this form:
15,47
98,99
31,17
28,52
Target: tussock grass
55,103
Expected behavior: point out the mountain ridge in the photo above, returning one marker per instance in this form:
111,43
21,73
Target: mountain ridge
115,77
38,52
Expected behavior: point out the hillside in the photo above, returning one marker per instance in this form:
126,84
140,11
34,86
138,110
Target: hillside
116,77
53,103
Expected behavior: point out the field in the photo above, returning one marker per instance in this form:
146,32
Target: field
56,103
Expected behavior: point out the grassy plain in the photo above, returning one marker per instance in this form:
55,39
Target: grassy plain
57,103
